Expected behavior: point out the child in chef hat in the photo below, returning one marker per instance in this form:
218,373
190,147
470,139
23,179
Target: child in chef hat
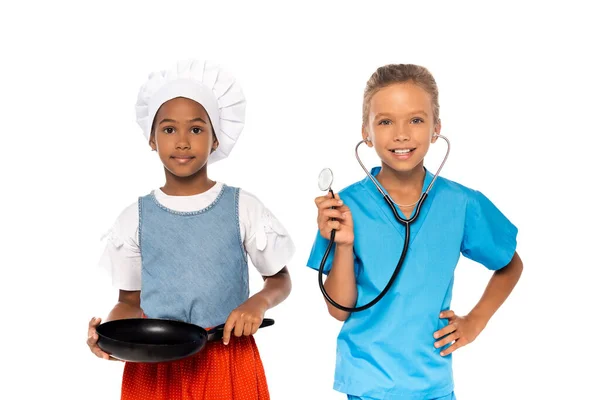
181,251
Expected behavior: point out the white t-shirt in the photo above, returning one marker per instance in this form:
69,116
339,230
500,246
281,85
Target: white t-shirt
265,239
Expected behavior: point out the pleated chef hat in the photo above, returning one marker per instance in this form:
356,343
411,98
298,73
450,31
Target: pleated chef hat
206,83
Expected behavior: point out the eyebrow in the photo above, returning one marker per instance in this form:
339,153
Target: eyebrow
379,115
172,121
197,119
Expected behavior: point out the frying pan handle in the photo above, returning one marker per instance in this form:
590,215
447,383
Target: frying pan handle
216,333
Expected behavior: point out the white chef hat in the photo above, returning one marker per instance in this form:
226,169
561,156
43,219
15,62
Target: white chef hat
206,83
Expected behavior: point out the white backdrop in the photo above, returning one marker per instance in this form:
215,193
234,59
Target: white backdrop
518,98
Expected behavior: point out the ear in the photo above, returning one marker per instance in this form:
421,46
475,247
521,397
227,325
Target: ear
215,144
152,141
367,137
436,131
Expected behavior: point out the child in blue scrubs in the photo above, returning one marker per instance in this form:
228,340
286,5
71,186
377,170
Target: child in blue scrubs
402,347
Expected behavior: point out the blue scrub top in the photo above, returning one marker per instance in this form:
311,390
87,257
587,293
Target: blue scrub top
387,351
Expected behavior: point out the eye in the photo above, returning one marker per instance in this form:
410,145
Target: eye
169,130
196,130
385,122
416,121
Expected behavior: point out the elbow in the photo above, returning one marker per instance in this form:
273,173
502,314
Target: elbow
281,280
517,265
287,282
520,268
338,314
513,269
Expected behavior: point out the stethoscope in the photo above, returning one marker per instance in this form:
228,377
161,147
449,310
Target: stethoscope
325,182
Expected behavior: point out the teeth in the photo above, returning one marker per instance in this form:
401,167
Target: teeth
404,151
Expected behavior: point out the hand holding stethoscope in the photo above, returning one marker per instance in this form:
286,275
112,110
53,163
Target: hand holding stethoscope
334,215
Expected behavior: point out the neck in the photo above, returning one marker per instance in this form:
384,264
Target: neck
187,186
402,181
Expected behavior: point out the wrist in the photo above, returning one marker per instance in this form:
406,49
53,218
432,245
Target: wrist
345,246
261,302
479,317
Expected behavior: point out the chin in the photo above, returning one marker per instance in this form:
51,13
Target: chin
403,166
183,172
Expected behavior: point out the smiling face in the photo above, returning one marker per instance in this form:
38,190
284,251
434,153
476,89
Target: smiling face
400,124
183,137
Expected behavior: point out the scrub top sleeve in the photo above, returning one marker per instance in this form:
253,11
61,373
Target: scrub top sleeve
489,237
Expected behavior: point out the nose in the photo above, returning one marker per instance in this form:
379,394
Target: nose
183,142
401,134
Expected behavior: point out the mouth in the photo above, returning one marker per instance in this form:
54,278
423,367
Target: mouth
402,154
402,151
183,159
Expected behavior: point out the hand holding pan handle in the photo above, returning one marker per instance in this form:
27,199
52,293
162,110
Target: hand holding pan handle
216,333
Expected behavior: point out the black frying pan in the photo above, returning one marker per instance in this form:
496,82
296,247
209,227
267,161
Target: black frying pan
148,340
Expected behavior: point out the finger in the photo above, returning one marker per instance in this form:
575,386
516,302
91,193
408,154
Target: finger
332,213
344,208
334,225
448,339
255,327
324,218
94,322
325,232
321,199
330,203
248,326
445,331
92,339
99,353
457,345
229,325
239,328
448,314
348,219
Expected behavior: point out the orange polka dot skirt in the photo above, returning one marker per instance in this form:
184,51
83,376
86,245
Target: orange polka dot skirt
217,372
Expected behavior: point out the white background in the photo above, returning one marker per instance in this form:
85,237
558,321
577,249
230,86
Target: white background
519,88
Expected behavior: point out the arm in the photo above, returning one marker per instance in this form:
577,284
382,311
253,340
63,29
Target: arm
269,247
341,282
498,289
246,319
464,330
275,290
128,306
341,279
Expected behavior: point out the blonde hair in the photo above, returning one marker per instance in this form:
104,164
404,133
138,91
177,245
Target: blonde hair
401,73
